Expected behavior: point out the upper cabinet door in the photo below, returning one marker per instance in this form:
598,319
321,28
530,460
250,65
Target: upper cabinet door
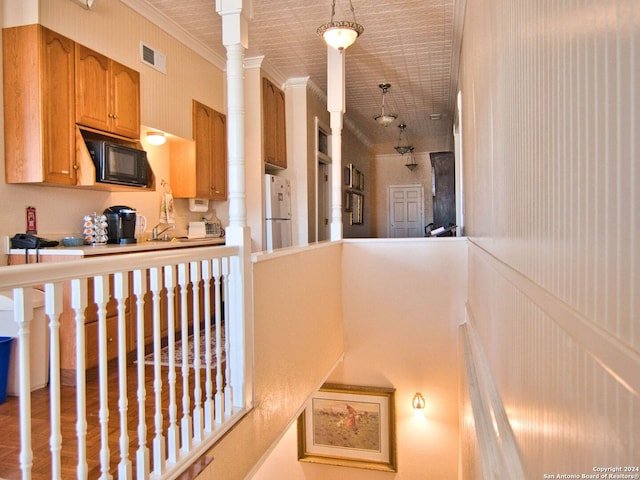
39,112
58,98
219,172
93,97
204,137
273,125
108,94
126,101
210,134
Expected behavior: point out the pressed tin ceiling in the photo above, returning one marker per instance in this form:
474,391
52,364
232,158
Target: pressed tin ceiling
411,44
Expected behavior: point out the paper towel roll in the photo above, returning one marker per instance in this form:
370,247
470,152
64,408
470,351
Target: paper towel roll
198,204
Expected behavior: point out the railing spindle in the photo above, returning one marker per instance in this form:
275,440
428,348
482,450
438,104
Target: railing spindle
53,308
217,272
194,269
159,452
79,303
121,293
101,296
21,305
184,315
208,387
226,284
142,454
173,433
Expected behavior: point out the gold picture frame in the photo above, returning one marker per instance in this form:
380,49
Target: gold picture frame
349,426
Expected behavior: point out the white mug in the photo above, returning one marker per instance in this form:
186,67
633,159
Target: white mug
141,226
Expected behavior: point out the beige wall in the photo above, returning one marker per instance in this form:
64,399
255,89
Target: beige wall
551,183
388,170
356,152
296,344
402,302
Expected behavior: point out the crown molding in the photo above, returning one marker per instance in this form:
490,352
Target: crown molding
357,132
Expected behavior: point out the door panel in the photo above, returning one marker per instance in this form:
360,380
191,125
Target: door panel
406,211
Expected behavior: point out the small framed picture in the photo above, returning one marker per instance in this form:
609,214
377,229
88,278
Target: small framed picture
347,201
357,208
348,177
323,146
350,426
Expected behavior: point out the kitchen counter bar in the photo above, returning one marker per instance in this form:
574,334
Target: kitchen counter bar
112,248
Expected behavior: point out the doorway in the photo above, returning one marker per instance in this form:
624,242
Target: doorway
323,205
406,211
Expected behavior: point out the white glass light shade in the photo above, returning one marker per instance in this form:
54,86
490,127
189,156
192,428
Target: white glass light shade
386,120
403,146
340,35
402,149
156,138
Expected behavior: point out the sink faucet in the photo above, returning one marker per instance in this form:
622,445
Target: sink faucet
155,231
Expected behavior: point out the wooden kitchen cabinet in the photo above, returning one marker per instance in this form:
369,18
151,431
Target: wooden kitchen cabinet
49,82
199,169
274,125
107,94
39,106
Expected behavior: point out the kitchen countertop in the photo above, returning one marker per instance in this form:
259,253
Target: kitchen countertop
112,248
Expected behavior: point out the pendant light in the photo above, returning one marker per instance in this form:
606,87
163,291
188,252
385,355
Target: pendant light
411,161
385,119
403,145
340,34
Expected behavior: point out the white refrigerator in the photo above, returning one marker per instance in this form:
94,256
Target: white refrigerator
277,212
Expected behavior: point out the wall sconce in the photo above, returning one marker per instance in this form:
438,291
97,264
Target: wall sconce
418,403
340,34
156,138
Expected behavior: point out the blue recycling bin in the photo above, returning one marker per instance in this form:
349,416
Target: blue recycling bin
5,355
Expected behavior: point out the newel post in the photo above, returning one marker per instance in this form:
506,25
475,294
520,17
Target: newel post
235,24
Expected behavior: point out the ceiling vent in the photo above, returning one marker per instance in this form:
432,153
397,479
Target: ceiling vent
153,58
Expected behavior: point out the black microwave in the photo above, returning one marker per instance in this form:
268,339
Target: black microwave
118,164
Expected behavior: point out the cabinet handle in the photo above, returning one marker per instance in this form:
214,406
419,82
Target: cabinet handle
75,166
110,339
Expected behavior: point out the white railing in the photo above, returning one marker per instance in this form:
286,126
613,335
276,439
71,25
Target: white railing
178,387
489,448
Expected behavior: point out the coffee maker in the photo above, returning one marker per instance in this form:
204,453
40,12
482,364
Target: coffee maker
121,224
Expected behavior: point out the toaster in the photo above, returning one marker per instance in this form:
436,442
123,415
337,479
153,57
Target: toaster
205,229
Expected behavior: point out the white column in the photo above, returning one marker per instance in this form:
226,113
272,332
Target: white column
235,26
336,108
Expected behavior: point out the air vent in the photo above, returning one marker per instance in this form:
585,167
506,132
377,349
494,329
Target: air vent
153,58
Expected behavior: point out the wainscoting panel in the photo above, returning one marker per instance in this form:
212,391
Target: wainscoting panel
571,397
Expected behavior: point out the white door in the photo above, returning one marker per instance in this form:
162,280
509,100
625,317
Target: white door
406,211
